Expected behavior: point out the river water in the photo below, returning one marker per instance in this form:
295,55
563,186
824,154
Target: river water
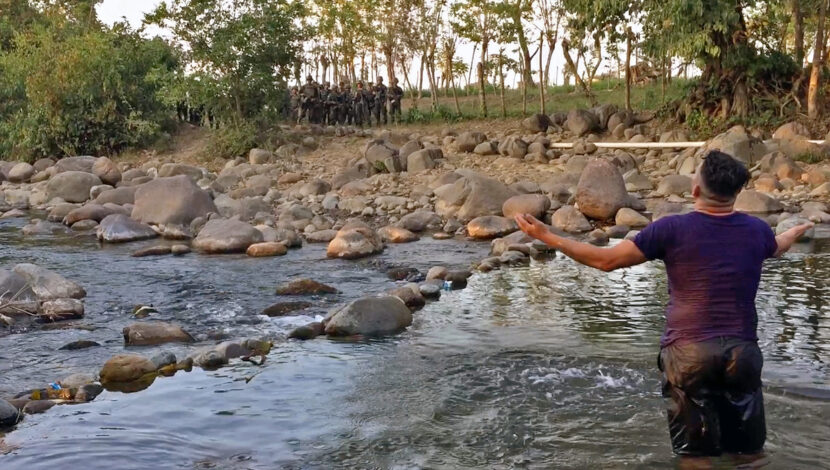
549,366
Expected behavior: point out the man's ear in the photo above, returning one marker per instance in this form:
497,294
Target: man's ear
695,190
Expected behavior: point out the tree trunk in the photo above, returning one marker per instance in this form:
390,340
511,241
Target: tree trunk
798,32
628,69
481,98
421,76
482,82
566,51
542,82
431,76
412,97
501,84
390,63
524,89
455,95
813,105
470,70
527,75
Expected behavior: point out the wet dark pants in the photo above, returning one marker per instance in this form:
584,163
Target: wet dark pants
716,405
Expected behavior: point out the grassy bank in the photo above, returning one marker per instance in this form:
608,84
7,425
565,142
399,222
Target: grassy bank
561,98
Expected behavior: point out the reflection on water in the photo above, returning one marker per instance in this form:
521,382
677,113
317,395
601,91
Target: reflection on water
551,366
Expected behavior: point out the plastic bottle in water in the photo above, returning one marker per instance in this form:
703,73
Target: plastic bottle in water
447,285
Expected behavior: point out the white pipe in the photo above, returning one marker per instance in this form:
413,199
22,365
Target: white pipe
646,145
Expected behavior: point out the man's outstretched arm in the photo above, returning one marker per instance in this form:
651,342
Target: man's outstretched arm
622,255
786,240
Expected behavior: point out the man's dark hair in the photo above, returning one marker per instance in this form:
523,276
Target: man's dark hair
722,175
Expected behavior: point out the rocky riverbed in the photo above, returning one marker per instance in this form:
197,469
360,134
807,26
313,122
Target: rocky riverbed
411,209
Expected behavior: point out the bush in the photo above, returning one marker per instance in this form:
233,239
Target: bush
70,90
233,140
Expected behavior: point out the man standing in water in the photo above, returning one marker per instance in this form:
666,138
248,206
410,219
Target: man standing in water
709,356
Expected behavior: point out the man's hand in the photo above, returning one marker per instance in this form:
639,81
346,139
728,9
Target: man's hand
787,239
622,255
532,226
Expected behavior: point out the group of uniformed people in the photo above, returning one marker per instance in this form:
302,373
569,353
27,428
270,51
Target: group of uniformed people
326,104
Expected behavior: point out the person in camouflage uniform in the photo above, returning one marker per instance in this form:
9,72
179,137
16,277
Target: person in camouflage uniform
395,97
294,105
333,108
380,103
346,104
361,106
310,101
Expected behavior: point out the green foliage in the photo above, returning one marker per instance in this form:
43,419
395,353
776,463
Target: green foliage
68,88
811,158
241,54
233,140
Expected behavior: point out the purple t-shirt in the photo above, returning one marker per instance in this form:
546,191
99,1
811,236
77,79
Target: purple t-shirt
714,267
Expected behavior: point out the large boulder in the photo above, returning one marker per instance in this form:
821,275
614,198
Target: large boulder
630,218
471,196
392,234
107,171
71,186
126,368
468,141
570,220
259,156
738,143
425,159
581,122
226,236
16,295
791,130
369,316
21,172
754,202
383,156
601,192
603,113
120,196
156,332
48,285
675,184
419,221
533,204
513,147
9,414
489,227
169,170
118,228
83,164
175,200
91,211
537,123
354,240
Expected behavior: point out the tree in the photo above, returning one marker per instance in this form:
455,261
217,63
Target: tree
819,59
512,15
476,20
247,72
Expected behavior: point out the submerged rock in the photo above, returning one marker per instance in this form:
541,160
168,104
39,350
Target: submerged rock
118,228
369,316
305,287
81,344
126,368
306,332
152,333
285,308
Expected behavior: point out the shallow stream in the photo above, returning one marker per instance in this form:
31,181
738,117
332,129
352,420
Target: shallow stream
550,366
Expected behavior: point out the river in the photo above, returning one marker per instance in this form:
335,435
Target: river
547,366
